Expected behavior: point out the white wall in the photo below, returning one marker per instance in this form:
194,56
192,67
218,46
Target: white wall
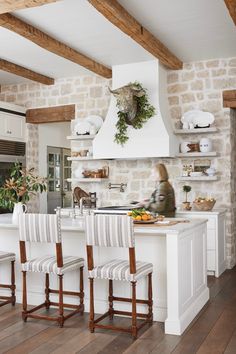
50,134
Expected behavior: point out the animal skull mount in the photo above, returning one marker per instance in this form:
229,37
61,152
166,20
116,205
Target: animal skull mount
126,100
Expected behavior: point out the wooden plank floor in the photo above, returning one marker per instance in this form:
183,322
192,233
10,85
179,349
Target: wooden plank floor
213,332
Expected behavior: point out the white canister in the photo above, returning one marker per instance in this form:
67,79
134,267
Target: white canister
205,145
184,147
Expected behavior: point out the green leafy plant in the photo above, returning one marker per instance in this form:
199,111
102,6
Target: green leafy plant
20,186
144,112
186,189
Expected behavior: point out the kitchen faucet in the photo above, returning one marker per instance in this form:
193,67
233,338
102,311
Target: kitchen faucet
81,201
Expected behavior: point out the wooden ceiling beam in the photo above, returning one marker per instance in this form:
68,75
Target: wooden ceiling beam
229,99
51,114
120,17
26,73
13,5
231,5
44,41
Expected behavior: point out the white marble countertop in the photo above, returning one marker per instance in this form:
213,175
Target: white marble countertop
69,224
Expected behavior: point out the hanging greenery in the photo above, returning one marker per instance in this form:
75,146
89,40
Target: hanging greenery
134,109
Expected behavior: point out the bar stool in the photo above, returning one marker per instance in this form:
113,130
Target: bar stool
116,231
43,228
8,257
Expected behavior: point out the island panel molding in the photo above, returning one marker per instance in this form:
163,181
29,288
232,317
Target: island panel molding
13,5
121,18
231,5
44,41
24,72
229,99
50,114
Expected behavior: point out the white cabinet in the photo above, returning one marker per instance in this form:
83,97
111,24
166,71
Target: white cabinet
216,255
12,126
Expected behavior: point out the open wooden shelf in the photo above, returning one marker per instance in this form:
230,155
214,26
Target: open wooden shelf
199,179
80,137
89,158
197,154
196,131
87,180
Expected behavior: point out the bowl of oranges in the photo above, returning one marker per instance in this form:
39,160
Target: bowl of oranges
141,216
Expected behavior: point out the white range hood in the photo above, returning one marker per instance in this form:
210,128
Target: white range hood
156,138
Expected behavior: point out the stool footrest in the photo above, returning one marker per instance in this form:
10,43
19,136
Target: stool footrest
72,293
6,286
6,302
126,299
128,313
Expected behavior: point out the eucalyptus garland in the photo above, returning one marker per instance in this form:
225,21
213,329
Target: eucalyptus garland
144,112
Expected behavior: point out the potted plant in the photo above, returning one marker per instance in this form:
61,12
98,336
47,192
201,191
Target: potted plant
186,204
16,190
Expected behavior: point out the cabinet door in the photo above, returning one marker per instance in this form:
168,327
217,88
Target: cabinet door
3,125
15,127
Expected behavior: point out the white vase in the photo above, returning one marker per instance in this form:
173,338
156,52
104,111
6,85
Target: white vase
19,208
205,145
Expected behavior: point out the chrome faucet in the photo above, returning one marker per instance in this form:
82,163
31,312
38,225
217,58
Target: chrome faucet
81,201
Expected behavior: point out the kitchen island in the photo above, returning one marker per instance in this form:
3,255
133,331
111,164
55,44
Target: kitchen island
178,254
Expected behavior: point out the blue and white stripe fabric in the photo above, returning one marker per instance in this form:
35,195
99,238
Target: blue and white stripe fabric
48,264
40,228
119,270
7,257
109,230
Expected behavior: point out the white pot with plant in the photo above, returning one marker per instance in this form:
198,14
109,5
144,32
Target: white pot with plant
17,190
186,204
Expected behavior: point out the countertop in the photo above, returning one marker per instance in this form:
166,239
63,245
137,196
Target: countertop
68,224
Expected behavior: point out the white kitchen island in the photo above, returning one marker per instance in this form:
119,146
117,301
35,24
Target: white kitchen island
178,254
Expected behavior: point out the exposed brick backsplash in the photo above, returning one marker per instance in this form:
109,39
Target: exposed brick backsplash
198,86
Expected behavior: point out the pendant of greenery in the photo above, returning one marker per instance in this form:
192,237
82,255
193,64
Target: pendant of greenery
144,112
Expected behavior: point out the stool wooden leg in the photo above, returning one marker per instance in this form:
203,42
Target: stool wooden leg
24,299
150,315
82,288
134,311
91,322
110,299
61,308
13,286
47,299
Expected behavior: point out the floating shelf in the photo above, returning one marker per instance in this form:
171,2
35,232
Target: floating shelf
195,131
202,178
80,137
197,154
83,159
87,180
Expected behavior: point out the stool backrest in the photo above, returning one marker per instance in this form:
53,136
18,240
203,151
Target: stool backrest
109,230
40,228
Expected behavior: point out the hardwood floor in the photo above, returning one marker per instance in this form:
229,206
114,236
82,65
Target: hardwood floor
213,332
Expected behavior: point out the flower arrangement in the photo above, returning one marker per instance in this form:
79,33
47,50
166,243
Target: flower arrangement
21,184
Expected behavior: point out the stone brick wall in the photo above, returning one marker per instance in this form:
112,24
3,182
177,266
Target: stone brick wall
198,86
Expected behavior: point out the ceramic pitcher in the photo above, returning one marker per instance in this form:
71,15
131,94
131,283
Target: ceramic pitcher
19,208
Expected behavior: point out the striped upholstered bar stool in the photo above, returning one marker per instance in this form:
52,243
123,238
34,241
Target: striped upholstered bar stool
4,300
116,231
43,228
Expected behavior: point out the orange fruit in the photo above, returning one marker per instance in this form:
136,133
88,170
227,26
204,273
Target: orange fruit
138,217
144,217
149,217
129,213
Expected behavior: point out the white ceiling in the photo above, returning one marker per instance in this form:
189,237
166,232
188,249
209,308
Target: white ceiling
191,29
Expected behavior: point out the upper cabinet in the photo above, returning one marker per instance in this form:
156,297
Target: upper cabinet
12,122
12,126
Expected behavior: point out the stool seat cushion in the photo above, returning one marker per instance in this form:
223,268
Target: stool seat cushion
48,264
119,270
7,256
